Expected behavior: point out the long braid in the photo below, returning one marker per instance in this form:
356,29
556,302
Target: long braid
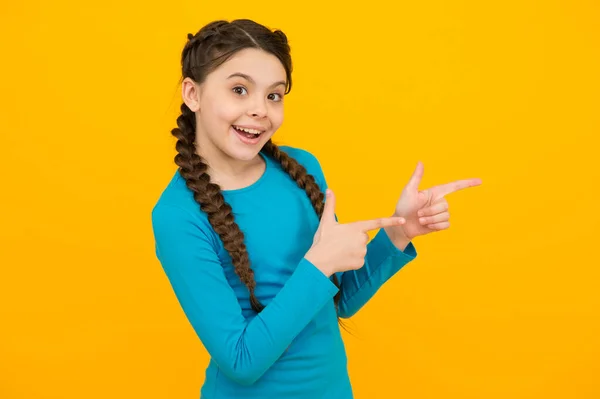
304,181
203,53
208,195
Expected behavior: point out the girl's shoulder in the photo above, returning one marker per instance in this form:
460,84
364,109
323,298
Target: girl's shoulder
177,199
176,193
306,159
300,154
177,214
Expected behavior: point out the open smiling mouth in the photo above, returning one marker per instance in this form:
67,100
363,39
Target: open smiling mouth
248,136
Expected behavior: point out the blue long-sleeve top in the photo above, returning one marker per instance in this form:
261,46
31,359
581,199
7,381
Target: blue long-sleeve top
292,348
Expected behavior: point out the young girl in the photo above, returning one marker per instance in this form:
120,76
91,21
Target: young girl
250,244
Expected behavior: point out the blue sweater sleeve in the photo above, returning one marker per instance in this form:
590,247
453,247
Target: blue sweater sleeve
242,348
383,260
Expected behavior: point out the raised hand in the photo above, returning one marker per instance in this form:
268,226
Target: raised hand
425,211
339,247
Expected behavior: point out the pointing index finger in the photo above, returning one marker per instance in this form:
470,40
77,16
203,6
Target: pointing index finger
374,224
448,188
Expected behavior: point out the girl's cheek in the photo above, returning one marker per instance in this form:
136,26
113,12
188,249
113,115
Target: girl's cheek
227,112
277,117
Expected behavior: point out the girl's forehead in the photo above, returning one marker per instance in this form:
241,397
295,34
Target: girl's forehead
262,67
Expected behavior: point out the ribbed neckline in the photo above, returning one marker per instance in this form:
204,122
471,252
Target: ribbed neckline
254,185
257,183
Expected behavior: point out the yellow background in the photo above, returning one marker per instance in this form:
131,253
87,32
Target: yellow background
504,304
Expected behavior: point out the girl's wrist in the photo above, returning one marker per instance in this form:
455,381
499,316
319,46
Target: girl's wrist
398,238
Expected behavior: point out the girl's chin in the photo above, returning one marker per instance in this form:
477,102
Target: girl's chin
243,151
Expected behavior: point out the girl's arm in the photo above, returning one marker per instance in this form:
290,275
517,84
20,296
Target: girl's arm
243,349
382,261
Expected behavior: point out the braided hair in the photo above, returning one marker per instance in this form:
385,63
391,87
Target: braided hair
204,52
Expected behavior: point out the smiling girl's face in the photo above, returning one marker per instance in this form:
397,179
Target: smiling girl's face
239,106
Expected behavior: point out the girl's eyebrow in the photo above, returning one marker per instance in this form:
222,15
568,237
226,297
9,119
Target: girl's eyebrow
248,78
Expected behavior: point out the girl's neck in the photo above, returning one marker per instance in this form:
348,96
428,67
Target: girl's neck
230,173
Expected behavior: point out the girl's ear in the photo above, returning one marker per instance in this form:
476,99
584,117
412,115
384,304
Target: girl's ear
191,94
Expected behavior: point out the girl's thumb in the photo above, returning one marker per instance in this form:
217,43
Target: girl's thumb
329,208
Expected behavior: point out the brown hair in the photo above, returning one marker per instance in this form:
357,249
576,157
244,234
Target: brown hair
211,46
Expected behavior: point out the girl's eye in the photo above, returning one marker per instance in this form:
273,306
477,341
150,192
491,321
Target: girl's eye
239,90
278,97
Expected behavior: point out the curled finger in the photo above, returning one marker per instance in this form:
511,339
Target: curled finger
440,217
434,209
439,226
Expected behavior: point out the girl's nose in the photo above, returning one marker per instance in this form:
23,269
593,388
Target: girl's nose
258,109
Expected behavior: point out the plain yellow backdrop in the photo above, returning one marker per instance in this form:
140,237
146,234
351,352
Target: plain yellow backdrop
504,304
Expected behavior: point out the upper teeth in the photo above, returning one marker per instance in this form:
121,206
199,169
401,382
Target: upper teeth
253,131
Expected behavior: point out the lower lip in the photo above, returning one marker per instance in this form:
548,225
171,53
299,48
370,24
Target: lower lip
245,139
